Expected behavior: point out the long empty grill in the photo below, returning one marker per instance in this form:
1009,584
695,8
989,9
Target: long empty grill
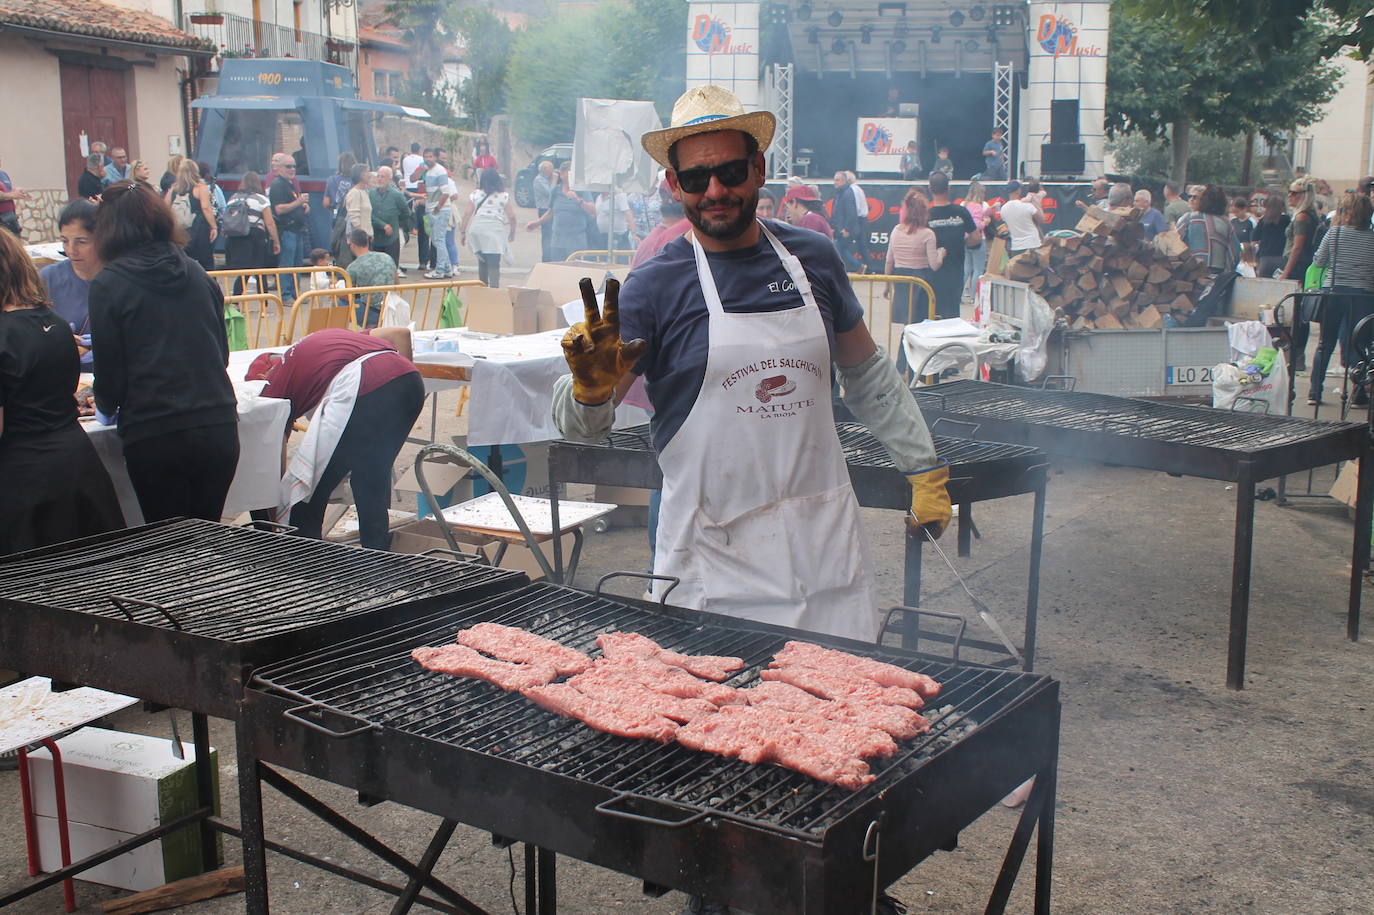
98,611
1192,441
1156,430
584,793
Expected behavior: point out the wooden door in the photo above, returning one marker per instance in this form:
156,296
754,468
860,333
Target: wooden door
93,100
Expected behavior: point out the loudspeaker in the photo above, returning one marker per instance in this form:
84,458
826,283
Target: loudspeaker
1064,121
1061,158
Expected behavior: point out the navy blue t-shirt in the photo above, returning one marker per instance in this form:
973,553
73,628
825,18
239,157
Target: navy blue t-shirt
662,303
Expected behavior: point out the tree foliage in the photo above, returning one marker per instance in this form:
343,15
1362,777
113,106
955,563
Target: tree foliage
489,42
1271,25
1158,86
606,51
1211,160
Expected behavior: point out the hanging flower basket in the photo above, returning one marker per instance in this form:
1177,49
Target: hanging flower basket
207,18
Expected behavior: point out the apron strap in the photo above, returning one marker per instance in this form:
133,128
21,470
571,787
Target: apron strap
790,263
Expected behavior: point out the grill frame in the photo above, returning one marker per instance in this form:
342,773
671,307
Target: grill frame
1295,445
149,658
745,863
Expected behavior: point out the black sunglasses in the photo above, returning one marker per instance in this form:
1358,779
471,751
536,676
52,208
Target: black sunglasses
731,174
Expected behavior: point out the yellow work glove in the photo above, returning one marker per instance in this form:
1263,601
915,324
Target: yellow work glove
593,349
930,508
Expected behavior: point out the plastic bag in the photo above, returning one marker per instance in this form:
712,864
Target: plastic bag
236,328
1253,391
451,315
395,311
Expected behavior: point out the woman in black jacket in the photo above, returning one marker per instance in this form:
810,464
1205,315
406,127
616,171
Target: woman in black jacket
161,363
55,487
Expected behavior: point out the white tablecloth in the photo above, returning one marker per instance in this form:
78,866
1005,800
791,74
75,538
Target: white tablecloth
923,339
261,423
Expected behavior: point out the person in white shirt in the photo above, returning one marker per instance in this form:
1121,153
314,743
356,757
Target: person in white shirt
412,161
1019,215
439,190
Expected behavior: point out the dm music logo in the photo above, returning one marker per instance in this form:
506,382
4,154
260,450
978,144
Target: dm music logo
712,35
1059,37
877,139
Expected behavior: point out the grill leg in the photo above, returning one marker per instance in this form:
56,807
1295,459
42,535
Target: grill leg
1240,576
205,789
1033,584
425,867
966,527
1364,489
911,589
251,827
541,881
1044,849
1031,815
555,490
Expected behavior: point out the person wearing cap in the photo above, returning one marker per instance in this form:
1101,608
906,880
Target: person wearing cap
368,394
736,328
803,208
1019,214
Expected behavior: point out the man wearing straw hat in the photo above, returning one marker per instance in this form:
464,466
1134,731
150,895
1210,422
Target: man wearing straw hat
735,327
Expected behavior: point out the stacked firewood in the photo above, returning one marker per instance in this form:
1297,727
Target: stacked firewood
1109,277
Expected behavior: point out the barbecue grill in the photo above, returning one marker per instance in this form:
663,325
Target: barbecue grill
1243,448
762,838
179,611
176,612
979,471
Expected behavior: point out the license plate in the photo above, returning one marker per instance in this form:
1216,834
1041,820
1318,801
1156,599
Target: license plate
1188,374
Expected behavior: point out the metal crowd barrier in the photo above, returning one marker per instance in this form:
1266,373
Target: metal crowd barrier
877,293
322,308
268,279
264,314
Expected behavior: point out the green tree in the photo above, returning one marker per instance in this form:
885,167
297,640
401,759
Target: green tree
1272,25
1211,160
489,42
1158,86
608,51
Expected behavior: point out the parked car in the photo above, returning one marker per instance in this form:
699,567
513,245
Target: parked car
558,153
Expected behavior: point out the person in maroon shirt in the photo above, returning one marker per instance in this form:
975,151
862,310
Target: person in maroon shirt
390,396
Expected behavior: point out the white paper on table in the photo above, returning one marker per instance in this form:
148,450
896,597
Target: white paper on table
945,327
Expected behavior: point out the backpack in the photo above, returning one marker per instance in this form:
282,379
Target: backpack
181,211
237,219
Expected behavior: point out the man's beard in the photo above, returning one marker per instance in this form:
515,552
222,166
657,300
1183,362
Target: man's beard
724,231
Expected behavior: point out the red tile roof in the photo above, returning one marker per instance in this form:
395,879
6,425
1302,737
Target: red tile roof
97,19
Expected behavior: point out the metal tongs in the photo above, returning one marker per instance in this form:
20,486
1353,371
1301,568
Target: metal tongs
983,612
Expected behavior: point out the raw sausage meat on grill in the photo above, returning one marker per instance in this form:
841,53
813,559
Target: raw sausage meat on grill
755,736
619,718
839,686
462,661
902,723
520,647
609,682
674,681
617,645
805,654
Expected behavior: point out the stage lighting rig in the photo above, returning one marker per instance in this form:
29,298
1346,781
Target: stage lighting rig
835,18
956,19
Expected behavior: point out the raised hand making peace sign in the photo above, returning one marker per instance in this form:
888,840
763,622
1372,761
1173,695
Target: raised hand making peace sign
595,354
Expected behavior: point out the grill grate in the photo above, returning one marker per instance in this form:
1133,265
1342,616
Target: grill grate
374,679
226,582
1167,423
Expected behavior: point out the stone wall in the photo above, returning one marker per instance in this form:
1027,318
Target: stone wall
38,214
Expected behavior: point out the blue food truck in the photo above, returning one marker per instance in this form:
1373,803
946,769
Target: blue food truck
268,105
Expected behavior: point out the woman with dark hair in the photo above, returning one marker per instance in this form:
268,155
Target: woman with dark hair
490,223
1270,234
1347,251
336,186
69,282
260,247
160,366
217,199
55,487
194,212
912,251
1210,236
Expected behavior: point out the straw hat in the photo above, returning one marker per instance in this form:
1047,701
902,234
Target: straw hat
703,110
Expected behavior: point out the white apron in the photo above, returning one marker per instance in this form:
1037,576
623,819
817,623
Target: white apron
322,437
758,518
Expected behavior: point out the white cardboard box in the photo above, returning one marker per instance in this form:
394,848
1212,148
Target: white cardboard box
118,785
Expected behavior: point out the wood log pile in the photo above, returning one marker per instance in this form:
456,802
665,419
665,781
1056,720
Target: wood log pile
1109,277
